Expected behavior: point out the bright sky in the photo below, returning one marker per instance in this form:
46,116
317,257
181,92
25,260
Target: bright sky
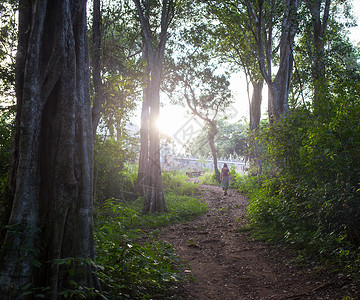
355,32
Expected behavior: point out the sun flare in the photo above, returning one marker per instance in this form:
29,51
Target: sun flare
171,120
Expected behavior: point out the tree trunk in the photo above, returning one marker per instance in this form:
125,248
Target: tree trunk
318,56
50,183
255,116
142,181
211,136
155,200
255,105
96,67
151,180
280,87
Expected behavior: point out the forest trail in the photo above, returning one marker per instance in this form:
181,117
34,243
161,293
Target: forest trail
226,263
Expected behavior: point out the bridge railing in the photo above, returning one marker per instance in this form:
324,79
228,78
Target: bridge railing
171,162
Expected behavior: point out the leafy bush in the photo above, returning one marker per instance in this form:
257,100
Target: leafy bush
114,174
309,193
209,178
309,197
130,271
177,182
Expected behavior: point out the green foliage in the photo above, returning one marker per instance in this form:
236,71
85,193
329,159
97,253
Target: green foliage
244,183
114,176
132,264
6,116
8,41
209,178
131,271
176,182
309,196
309,193
121,65
8,44
70,270
229,139
180,208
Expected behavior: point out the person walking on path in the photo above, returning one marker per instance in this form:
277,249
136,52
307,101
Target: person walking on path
225,178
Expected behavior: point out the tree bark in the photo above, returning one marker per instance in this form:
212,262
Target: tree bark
142,181
255,105
96,66
50,183
255,116
154,50
280,87
155,200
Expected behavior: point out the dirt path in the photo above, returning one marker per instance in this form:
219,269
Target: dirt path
226,263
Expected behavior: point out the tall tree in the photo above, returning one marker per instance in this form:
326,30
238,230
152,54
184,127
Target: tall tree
231,141
154,42
49,189
116,64
268,29
274,34
232,42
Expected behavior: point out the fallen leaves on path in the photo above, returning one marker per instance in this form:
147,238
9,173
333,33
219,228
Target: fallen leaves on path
226,263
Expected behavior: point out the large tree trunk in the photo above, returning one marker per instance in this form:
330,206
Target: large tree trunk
280,87
155,200
151,180
50,180
255,105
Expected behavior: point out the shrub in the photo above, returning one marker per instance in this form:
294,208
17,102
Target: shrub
209,178
128,270
177,182
309,195
114,172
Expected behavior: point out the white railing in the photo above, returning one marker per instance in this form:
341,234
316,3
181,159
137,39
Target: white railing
188,163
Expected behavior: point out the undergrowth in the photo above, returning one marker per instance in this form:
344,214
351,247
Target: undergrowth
273,219
209,178
132,263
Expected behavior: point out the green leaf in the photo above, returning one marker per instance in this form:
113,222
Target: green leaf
36,263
